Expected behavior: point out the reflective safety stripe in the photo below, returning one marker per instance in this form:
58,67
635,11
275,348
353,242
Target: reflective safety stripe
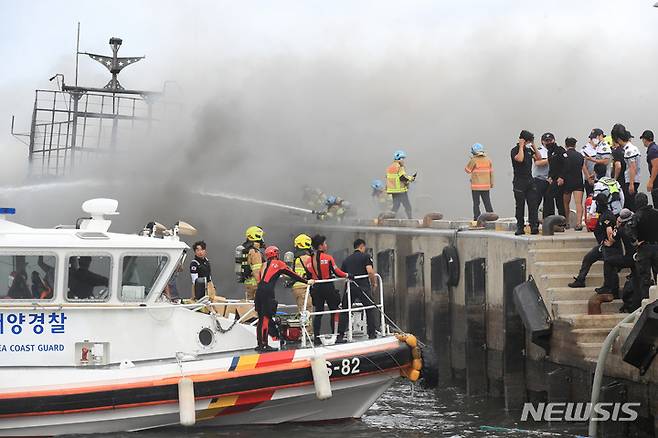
480,186
252,280
393,181
299,270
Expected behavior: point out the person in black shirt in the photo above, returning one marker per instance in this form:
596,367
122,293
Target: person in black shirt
572,177
555,168
644,231
200,268
360,263
618,254
523,184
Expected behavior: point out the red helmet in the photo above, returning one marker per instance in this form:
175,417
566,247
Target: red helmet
271,252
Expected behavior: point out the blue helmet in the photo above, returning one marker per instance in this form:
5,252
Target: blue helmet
377,184
399,155
477,148
330,200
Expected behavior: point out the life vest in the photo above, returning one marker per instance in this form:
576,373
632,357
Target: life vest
608,186
299,267
394,182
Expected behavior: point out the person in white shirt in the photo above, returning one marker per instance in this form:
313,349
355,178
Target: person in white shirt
540,175
622,137
603,154
589,152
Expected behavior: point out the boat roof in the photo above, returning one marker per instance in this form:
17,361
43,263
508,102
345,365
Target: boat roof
13,235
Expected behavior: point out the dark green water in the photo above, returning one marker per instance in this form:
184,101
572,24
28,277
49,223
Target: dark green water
400,412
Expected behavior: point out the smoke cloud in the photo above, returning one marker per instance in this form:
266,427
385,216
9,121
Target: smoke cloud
277,98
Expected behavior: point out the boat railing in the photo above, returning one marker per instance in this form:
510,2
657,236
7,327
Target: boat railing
307,316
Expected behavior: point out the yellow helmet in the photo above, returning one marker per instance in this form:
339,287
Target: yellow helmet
254,234
303,241
608,139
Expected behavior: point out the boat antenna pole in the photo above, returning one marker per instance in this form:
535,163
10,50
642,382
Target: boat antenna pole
77,54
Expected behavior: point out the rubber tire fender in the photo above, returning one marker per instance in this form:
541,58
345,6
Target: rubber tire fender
451,257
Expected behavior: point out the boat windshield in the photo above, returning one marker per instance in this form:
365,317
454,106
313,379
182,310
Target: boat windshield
139,274
88,278
27,277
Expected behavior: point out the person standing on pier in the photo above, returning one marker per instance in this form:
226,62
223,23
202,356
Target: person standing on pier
555,190
481,170
573,181
525,191
652,162
631,159
397,183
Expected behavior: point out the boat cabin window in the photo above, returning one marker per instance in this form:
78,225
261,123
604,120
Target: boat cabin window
27,277
139,274
88,278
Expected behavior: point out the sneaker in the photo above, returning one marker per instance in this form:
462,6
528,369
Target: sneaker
267,349
578,228
372,336
577,283
519,232
341,339
317,341
258,348
602,290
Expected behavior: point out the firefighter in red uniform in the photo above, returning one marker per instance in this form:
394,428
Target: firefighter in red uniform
322,266
264,302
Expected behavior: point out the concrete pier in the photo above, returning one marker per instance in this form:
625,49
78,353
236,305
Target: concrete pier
472,322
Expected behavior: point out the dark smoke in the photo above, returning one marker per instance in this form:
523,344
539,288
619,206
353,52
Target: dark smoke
263,125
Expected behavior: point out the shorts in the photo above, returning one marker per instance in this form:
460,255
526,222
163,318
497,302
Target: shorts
574,186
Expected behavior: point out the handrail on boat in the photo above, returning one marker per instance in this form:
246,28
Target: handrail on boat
306,315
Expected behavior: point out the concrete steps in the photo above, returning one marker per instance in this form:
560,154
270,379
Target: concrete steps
590,350
569,307
550,281
565,267
566,293
575,240
576,321
569,254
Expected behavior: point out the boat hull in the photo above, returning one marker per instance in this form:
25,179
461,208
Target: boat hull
279,391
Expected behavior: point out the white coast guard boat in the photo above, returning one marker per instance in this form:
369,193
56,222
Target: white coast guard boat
89,344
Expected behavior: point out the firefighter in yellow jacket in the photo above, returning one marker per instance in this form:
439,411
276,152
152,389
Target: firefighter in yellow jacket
254,260
302,254
481,171
397,183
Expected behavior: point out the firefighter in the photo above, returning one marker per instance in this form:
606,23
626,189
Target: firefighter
265,303
252,260
302,254
397,183
322,266
382,200
313,198
336,208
